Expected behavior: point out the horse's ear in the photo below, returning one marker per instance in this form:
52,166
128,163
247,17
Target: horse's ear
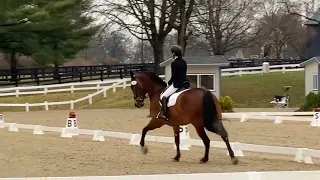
132,76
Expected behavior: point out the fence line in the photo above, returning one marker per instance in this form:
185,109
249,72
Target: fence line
265,68
71,102
16,91
274,175
301,154
309,113
244,117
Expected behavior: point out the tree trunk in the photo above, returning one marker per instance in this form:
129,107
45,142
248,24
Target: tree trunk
218,43
56,64
56,70
13,66
158,55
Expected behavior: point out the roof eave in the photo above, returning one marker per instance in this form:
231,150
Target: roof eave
303,64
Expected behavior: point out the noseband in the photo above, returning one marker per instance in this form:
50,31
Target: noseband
137,97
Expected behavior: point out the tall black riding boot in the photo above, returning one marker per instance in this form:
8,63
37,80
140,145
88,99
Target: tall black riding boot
164,108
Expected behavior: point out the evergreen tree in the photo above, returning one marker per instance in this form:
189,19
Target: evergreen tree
48,31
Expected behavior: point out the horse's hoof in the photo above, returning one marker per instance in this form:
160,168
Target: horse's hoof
203,160
144,149
234,160
176,159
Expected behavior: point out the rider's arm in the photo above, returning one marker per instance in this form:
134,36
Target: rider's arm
172,73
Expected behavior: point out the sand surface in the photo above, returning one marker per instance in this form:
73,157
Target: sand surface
23,154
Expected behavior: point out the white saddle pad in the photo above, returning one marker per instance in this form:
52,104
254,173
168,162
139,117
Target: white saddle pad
173,98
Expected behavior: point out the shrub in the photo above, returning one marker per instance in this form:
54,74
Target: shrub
312,101
226,104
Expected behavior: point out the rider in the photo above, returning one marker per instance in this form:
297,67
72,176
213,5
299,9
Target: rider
178,77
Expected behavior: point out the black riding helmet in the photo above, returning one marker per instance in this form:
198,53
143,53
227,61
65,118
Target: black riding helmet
176,50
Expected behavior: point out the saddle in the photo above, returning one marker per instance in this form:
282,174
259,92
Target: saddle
184,86
171,100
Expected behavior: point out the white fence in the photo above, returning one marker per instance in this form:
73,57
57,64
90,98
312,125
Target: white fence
261,69
301,154
70,102
269,175
54,88
97,85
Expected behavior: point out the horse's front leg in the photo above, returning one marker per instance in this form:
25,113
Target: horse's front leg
176,130
153,124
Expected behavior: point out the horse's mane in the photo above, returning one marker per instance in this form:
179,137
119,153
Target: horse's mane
154,78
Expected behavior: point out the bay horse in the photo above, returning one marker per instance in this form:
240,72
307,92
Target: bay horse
196,106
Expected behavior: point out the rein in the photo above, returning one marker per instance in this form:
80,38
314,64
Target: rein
157,91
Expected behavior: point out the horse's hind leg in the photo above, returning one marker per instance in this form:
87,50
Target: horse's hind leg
231,153
153,124
176,130
206,141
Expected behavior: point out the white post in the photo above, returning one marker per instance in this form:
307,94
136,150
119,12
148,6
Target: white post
240,73
283,70
124,84
27,107
72,105
45,90
72,88
90,99
17,92
98,87
198,81
105,93
46,106
265,67
114,87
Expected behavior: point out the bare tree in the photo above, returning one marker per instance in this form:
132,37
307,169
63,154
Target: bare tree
280,33
153,18
294,8
226,24
185,12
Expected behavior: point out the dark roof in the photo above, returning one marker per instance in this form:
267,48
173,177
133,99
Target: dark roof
316,16
314,59
201,61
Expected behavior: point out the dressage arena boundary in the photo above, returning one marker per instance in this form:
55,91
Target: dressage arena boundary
302,155
267,175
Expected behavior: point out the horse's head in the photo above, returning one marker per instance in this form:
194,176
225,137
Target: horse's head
143,84
138,90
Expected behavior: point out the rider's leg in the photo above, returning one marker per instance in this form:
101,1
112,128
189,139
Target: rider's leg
164,102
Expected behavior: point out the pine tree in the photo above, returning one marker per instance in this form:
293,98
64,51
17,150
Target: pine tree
48,31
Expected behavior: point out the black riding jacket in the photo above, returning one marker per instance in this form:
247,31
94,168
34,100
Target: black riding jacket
178,72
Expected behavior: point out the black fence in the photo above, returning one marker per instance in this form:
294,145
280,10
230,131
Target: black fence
50,75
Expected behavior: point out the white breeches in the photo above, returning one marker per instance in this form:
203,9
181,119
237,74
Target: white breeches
170,90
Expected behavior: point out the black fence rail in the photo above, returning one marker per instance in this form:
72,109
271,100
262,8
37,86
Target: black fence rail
42,76
50,75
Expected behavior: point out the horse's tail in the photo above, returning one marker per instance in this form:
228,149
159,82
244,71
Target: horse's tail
210,119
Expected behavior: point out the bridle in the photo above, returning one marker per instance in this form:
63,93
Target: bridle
136,96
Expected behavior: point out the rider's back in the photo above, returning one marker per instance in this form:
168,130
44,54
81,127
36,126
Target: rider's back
179,71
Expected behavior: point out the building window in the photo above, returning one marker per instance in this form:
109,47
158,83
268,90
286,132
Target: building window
314,81
202,81
193,80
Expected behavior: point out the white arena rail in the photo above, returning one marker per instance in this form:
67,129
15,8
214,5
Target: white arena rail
267,175
309,113
301,154
243,117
